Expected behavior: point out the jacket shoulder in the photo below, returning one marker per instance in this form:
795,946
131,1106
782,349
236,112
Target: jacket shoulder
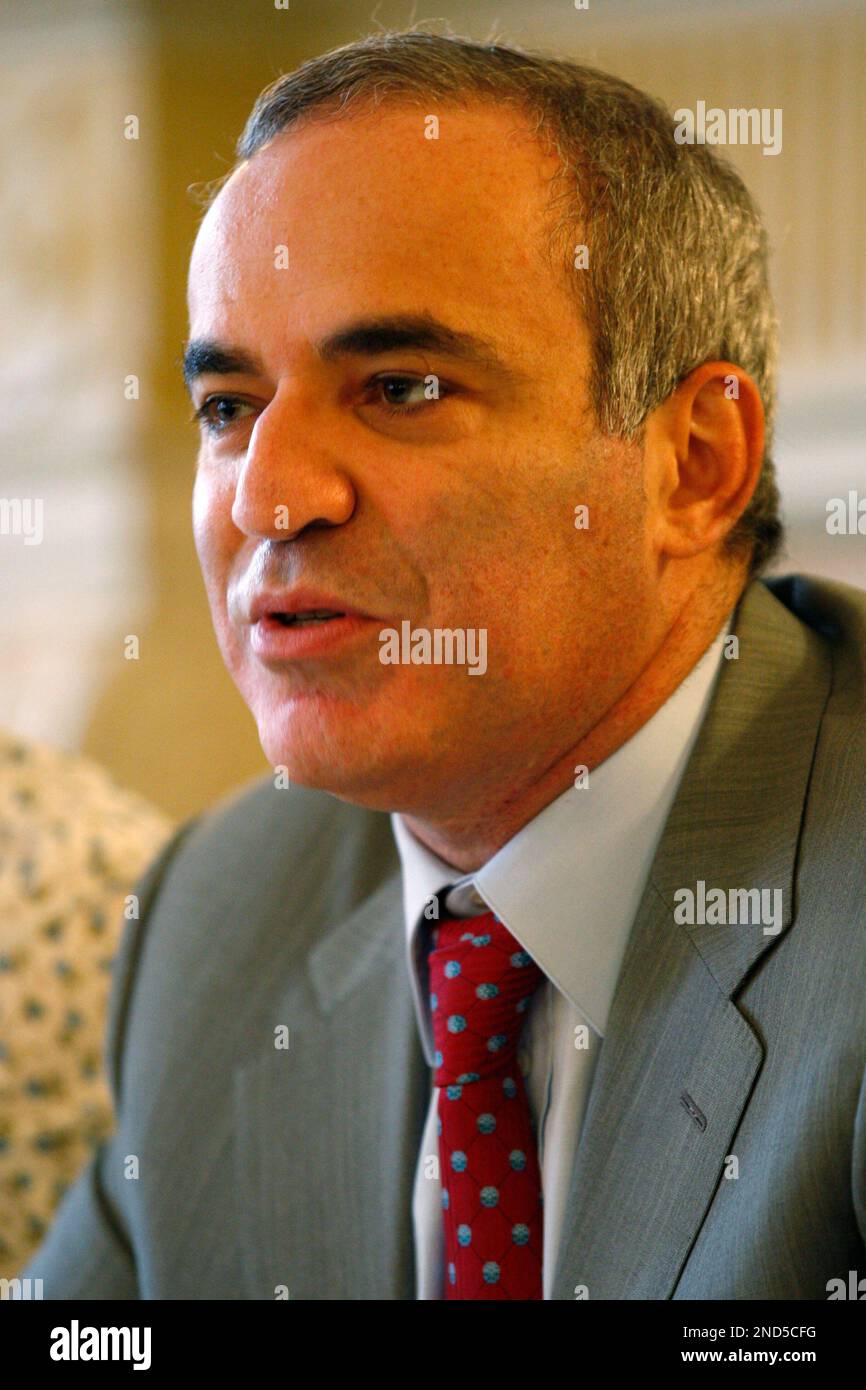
837,613
834,820
266,849
235,899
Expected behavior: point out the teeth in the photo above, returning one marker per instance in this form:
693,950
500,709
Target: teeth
312,615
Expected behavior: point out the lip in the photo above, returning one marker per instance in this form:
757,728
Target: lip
271,641
267,601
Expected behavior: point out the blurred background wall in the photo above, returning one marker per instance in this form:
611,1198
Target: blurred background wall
96,224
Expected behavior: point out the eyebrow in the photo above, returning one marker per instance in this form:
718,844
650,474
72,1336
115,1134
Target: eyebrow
205,357
363,338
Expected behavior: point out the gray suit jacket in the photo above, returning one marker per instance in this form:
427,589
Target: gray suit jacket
241,1170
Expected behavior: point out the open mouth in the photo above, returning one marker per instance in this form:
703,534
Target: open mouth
306,618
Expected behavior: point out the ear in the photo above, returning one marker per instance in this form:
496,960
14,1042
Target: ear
703,451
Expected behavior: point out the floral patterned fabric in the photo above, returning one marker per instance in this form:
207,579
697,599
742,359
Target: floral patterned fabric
72,844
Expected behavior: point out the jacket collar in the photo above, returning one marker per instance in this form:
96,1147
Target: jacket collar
679,1060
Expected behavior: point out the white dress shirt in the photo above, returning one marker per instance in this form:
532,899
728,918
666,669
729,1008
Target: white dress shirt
567,886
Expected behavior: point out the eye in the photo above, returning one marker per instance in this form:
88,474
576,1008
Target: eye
217,413
407,395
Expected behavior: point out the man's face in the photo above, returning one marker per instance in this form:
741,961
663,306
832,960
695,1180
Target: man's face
329,473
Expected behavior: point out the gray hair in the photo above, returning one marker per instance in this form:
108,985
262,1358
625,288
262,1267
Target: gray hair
678,251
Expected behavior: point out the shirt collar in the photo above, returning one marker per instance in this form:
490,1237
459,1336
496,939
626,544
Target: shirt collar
569,883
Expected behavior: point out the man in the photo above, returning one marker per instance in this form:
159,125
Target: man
482,359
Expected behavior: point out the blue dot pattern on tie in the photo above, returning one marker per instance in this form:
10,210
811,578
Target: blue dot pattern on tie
481,985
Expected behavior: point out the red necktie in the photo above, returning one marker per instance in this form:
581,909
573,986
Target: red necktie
481,983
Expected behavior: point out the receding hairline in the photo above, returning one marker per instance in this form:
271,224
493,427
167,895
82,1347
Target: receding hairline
366,103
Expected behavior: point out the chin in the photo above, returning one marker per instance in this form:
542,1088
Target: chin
345,763
316,753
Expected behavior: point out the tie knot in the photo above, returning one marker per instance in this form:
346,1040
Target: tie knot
481,984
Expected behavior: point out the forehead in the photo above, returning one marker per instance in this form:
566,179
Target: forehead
367,206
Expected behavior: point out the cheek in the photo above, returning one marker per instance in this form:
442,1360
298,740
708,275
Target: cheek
214,532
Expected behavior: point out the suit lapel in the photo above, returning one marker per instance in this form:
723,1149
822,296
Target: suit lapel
679,1059
328,1132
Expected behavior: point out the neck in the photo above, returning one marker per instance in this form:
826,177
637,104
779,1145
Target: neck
466,844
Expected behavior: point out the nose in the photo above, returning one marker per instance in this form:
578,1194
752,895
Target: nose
290,478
